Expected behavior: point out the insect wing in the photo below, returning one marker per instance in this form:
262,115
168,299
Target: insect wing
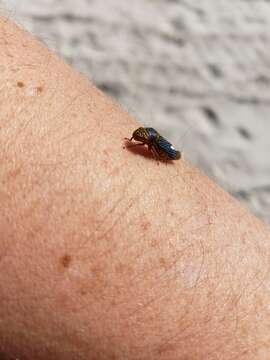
152,134
166,149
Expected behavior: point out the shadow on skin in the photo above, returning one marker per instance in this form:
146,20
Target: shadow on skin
142,150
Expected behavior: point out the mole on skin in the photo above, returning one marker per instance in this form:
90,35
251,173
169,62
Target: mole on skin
66,260
20,84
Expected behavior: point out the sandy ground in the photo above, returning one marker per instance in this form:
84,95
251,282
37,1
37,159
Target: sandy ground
198,71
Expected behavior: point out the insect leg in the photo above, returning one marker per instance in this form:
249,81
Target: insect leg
137,144
155,153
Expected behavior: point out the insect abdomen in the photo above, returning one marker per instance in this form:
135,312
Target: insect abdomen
167,149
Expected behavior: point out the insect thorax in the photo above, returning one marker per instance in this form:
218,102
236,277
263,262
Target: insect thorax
153,135
141,134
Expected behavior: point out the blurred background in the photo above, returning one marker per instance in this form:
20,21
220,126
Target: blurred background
196,70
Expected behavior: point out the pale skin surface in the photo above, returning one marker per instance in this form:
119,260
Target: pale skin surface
103,253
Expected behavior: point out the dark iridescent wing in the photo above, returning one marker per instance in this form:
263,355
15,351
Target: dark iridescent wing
166,150
152,133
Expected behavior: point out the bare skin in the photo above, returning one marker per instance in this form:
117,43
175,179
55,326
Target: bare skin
104,254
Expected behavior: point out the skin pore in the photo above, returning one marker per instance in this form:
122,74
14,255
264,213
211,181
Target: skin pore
103,253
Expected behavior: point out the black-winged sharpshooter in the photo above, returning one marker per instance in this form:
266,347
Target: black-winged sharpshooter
156,143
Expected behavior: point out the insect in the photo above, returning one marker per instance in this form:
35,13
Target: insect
156,143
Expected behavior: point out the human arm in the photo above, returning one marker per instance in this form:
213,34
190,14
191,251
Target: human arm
103,253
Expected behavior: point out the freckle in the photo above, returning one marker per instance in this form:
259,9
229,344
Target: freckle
120,268
113,302
20,84
83,292
167,348
164,263
14,173
66,260
62,300
154,243
115,171
95,270
39,89
145,225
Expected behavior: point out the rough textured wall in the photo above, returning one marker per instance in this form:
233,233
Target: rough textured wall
197,70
